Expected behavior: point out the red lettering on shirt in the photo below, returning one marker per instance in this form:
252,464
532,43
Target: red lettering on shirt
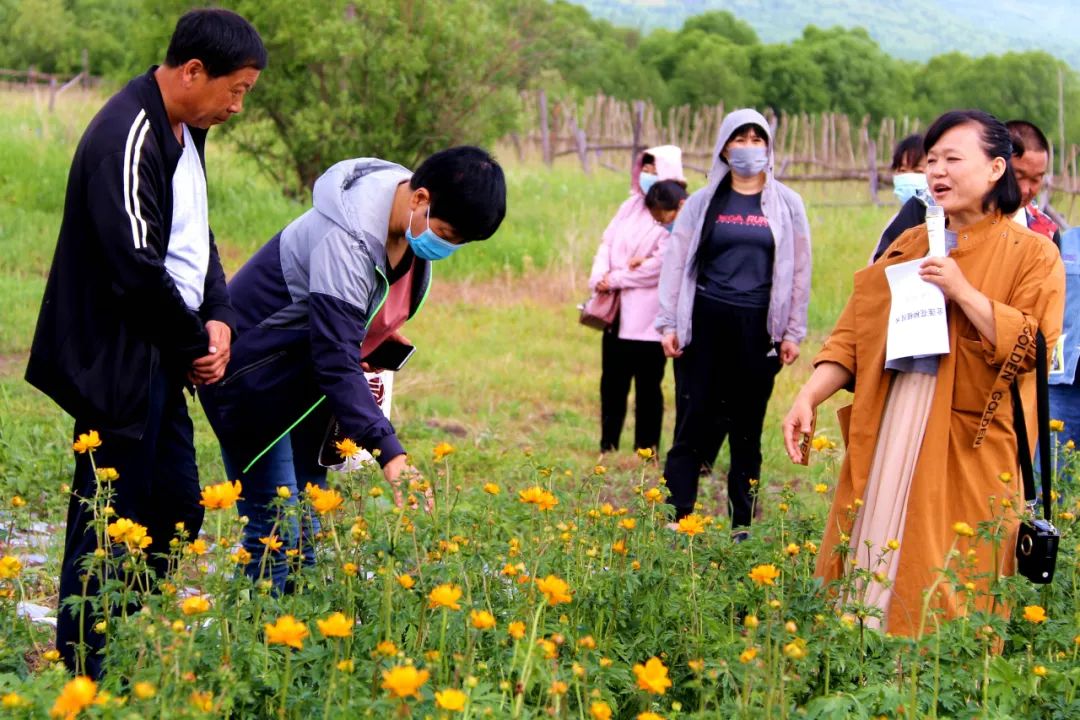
754,220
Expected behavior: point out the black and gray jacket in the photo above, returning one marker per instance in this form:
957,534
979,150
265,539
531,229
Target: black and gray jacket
111,314
304,302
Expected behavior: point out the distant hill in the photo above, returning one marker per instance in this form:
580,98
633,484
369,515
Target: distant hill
913,29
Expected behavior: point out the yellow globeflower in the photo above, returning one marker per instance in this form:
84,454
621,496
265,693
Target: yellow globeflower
12,700
482,619
764,574
538,496
1057,425
491,488
202,700
600,710
692,525
442,450
748,655
649,716
406,581
144,690
516,629
1034,614
1040,670
287,631
796,649
652,677
645,453
127,532
86,442
199,547
387,648
105,474
963,529
10,567
451,699
628,523
554,589
77,694
323,501
337,625
221,496
194,605
653,495
346,448
821,488
404,680
445,596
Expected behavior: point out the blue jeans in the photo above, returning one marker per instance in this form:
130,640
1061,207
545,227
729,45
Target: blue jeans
291,463
1065,406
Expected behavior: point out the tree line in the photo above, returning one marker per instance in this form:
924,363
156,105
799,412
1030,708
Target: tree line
400,78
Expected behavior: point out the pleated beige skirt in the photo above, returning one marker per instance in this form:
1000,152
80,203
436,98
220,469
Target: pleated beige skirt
881,517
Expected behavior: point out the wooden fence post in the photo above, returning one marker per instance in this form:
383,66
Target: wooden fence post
638,119
871,154
545,130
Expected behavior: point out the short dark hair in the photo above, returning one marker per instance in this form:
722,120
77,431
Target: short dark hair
647,159
1026,136
908,152
467,188
221,39
1005,195
665,195
747,127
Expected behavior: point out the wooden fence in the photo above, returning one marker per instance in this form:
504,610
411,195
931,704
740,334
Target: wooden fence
55,84
603,132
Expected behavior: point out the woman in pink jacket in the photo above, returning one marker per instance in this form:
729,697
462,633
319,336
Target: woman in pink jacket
628,261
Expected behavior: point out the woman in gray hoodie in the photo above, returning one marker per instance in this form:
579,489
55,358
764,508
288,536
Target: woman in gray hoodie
734,292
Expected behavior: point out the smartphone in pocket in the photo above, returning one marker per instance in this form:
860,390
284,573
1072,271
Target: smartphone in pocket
390,355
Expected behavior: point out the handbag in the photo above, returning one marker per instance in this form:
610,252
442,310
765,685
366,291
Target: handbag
600,310
1037,541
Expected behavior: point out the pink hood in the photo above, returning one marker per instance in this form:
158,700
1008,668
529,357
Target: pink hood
633,233
668,165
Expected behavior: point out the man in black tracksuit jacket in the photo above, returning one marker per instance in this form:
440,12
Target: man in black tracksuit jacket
136,306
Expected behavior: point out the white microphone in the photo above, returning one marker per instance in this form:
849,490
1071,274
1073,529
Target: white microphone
935,228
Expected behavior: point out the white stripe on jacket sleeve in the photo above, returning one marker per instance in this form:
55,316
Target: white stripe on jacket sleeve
127,170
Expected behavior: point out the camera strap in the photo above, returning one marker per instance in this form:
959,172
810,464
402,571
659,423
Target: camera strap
1023,446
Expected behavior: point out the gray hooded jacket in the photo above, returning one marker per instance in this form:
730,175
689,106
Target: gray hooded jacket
784,210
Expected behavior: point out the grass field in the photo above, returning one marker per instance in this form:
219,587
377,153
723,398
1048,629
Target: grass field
506,375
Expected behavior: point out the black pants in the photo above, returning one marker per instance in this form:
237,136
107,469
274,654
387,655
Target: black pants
158,487
622,361
724,380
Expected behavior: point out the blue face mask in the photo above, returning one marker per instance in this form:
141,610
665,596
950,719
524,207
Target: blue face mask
906,185
645,181
748,161
427,245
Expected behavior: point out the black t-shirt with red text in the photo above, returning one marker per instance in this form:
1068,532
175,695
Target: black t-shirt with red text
735,261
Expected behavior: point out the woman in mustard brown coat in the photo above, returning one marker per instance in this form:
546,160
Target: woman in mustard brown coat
928,439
